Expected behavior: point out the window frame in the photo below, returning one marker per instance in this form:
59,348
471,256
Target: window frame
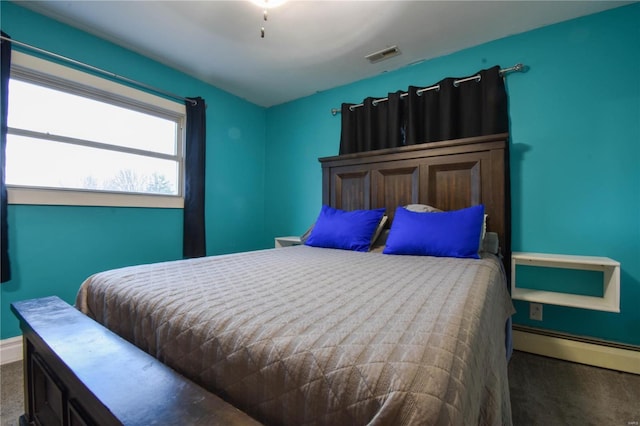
49,74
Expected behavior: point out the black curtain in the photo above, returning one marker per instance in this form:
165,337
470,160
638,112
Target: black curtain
472,108
374,125
194,242
5,65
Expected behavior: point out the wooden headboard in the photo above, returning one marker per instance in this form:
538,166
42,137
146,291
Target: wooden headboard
449,175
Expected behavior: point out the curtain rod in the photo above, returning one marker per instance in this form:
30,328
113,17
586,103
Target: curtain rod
99,70
516,67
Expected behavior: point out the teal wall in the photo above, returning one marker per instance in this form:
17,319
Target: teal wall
54,248
575,134
575,125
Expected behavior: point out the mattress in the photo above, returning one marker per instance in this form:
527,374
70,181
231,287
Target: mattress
313,336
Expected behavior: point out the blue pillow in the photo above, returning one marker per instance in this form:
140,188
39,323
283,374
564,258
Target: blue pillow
347,230
447,234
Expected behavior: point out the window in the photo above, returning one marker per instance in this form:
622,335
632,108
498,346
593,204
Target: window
75,138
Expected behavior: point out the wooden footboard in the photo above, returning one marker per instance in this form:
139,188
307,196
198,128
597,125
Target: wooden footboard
79,373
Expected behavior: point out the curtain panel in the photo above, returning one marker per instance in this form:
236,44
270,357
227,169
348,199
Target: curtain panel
5,65
374,125
194,237
454,110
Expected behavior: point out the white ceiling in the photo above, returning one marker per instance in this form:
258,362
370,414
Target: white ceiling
309,46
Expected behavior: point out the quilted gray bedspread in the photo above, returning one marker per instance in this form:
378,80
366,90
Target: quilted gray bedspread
303,335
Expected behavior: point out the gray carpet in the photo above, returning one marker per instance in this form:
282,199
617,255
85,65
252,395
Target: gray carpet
12,402
547,391
544,391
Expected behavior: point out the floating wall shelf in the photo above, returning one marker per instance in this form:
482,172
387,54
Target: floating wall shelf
610,301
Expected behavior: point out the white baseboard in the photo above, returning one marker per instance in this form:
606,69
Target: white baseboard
599,355
10,350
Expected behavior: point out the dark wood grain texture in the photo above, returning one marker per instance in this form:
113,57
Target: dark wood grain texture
78,372
449,175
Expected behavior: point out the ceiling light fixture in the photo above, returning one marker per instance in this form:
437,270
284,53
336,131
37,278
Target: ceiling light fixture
266,4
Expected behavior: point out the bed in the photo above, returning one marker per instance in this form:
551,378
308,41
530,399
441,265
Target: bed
309,335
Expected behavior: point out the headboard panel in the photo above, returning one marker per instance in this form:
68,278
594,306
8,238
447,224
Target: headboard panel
449,175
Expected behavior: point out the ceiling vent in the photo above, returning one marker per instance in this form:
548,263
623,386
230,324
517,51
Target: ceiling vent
383,54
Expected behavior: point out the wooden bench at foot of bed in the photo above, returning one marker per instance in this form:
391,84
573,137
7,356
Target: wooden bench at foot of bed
79,373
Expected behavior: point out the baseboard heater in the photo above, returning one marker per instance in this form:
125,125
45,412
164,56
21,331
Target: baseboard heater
584,350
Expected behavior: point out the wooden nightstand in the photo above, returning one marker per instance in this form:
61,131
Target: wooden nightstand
287,241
